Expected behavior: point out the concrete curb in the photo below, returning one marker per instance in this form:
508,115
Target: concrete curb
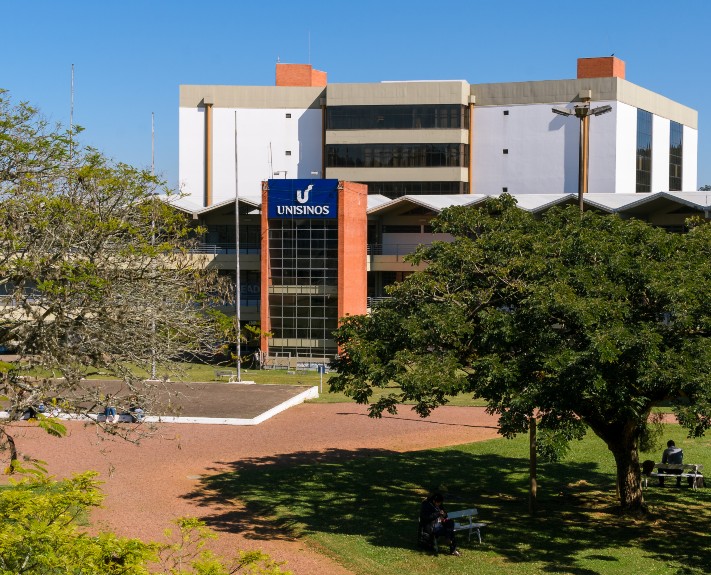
310,393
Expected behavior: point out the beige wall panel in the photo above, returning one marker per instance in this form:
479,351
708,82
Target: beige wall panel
392,264
398,174
564,91
657,104
399,93
397,137
260,97
549,91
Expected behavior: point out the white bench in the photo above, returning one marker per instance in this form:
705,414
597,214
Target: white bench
464,521
692,472
229,374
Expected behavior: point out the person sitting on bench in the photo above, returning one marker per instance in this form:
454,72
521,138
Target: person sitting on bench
433,520
672,455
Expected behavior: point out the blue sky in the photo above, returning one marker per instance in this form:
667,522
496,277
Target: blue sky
131,56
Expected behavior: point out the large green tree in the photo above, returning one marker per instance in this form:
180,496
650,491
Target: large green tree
95,273
571,320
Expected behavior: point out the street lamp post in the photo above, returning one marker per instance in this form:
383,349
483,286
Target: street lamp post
583,112
238,290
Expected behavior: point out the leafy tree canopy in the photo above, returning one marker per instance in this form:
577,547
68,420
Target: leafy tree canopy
578,320
95,272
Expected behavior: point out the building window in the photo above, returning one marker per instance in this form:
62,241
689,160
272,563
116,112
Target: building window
303,303
422,117
398,189
506,150
676,148
288,115
506,112
504,190
397,155
288,152
644,151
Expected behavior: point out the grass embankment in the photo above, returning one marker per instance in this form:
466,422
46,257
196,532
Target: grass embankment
361,508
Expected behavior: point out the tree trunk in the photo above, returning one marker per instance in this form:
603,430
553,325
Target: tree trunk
624,448
532,465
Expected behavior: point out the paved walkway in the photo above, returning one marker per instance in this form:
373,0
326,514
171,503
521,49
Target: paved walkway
150,484
215,402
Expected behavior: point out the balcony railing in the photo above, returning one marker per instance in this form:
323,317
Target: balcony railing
218,249
376,301
391,249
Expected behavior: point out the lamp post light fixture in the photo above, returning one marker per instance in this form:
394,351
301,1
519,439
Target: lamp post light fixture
583,112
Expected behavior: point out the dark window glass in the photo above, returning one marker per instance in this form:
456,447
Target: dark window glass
303,255
644,151
397,189
224,236
397,155
422,117
676,148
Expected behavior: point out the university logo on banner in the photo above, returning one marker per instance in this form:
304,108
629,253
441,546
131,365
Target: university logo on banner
303,199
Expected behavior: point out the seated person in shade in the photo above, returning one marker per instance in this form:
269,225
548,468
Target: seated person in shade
433,521
672,455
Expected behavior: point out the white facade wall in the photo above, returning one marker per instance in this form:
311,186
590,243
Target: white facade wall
263,138
603,151
661,130
543,150
689,168
626,153
191,154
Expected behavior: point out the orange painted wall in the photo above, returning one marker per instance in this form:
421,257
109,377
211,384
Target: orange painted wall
608,67
265,270
299,75
352,248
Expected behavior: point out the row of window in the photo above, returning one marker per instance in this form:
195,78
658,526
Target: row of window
644,153
422,117
394,190
396,155
303,253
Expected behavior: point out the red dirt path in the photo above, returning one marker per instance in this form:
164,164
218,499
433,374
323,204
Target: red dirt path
147,486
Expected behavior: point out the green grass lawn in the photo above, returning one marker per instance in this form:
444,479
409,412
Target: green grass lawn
361,508
195,372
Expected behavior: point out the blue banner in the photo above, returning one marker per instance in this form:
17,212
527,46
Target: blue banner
303,199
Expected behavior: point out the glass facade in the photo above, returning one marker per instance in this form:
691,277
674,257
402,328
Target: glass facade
223,235
303,293
644,151
422,117
676,148
397,189
396,155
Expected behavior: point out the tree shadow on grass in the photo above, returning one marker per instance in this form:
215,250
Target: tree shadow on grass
375,494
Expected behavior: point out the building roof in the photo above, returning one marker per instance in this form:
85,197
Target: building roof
628,204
